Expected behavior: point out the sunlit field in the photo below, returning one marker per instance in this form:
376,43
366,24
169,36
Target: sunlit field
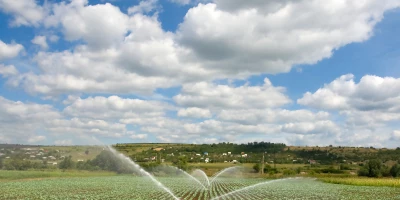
131,187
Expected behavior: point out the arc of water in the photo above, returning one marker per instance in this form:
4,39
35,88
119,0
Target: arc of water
190,176
204,176
133,164
221,172
250,187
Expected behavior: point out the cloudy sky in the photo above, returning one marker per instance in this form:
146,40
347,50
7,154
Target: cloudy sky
301,72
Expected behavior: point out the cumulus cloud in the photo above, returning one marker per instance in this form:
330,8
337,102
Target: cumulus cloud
396,135
25,12
9,50
35,139
19,121
139,136
82,21
115,107
41,41
368,107
371,101
278,116
204,94
8,70
145,6
270,37
371,93
63,142
214,41
220,39
194,112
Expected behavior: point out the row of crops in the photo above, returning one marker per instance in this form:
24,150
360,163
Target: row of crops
129,187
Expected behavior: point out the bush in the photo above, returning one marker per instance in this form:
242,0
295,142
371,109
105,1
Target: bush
289,172
256,167
331,170
67,163
374,168
344,167
395,170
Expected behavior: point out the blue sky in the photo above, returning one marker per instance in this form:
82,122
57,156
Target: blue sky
298,72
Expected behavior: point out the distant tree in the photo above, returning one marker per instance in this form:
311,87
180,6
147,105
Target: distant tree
372,168
1,163
257,167
67,163
87,152
181,162
106,160
395,170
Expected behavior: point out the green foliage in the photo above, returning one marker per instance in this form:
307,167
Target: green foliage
106,160
1,163
67,163
257,167
344,167
181,162
395,170
85,165
329,170
17,164
374,168
289,172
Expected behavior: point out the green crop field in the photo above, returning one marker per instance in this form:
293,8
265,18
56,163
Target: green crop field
132,187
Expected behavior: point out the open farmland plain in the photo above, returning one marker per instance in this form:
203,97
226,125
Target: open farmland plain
132,187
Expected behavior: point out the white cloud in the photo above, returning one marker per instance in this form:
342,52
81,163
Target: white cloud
82,21
194,112
396,135
24,122
272,36
66,142
9,50
8,70
41,41
214,96
373,100
139,136
115,107
25,12
371,93
82,126
53,38
318,127
181,2
36,139
144,6
277,116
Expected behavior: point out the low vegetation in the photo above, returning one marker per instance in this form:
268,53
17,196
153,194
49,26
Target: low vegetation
360,181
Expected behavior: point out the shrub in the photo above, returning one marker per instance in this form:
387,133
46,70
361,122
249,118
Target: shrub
374,168
395,170
289,172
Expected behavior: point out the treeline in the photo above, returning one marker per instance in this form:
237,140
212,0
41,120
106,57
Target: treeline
104,161
254,147
375,168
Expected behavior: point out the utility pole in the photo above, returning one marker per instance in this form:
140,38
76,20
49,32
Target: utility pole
262,164
275,158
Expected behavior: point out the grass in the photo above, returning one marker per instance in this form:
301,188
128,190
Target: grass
6,175
361,181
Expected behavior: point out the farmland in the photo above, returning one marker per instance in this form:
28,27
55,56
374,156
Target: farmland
133,187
